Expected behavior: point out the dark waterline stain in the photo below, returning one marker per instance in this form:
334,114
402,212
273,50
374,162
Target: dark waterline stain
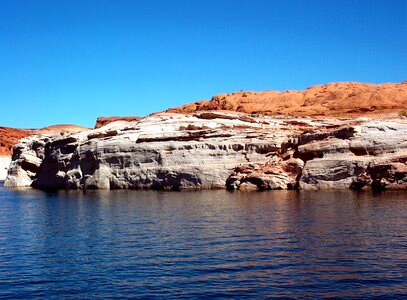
145,244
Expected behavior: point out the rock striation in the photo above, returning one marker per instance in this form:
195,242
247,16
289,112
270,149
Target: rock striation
370,154
210,150
332,99
163,151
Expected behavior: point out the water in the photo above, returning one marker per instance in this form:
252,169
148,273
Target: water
141,244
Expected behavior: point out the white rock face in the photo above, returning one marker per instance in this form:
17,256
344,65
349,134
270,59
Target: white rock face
211,150
4,164
165,151
373,152
27,158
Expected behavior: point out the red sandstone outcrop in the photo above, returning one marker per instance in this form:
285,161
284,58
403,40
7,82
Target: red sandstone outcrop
333,99
102,121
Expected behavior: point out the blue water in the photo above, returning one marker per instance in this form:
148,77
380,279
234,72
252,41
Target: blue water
144,244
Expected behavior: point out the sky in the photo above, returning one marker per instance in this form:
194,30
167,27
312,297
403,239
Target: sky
68,62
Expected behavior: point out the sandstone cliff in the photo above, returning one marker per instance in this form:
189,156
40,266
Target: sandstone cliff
333,99
209,150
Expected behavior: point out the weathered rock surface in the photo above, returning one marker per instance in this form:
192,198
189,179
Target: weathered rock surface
163,151
373,153
10,136
210,150
333,99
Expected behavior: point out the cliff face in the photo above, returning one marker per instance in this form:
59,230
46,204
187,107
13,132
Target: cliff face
209,150
333,99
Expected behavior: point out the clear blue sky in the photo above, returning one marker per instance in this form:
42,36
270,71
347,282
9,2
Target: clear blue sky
71,61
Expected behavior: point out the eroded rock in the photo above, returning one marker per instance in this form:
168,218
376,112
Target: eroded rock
171,151
370,157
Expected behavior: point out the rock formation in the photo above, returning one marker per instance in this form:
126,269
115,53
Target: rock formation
102,121
8,138
370,154
62,129
208,150
333,99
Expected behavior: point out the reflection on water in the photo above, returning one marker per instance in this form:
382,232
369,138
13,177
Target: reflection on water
105,244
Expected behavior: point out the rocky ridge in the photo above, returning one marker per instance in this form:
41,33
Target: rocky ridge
332,99
102,121
207,150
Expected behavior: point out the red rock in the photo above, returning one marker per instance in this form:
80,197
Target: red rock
333,99
9,137
102,121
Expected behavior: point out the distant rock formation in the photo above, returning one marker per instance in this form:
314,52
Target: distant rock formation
209,150
333,99
102,121
62,129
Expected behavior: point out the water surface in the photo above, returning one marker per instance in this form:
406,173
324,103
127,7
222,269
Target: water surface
145,244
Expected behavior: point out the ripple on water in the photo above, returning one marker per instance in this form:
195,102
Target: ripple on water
128,244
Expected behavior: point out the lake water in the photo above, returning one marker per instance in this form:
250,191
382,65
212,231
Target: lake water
145,244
